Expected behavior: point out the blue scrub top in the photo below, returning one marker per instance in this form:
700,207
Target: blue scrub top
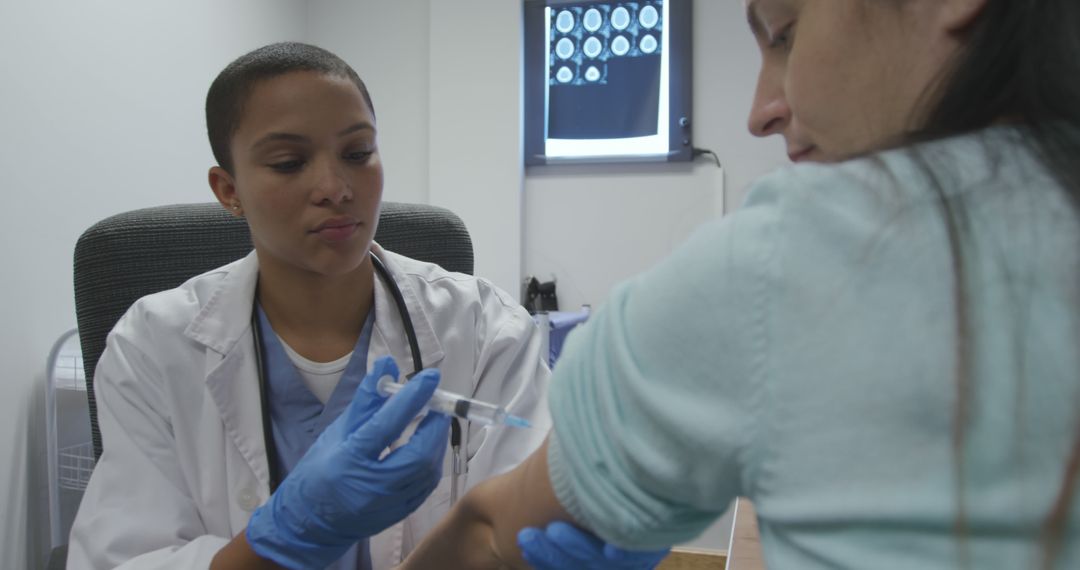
298,417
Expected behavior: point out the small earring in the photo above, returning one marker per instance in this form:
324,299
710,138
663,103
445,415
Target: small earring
236,206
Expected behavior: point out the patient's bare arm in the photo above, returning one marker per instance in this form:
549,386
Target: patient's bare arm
481,530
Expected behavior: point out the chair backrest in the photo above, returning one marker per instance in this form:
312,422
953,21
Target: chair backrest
131,255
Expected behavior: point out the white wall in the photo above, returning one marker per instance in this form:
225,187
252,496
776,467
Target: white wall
101,106
475,128
593,226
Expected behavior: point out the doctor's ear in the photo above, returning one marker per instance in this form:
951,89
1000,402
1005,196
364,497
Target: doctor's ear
224,187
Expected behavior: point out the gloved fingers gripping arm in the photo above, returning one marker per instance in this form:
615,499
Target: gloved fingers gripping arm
341,491
562,545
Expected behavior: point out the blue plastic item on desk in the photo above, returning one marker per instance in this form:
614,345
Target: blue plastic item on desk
559,324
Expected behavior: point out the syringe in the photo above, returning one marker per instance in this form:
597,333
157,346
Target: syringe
458,406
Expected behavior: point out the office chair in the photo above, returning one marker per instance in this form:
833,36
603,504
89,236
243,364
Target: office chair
130,255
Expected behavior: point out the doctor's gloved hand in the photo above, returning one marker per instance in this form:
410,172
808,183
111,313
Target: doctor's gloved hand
340,491
562,545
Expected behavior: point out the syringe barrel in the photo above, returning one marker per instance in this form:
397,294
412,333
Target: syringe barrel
450,404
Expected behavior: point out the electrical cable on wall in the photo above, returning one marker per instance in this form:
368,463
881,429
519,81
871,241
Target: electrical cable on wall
719,178
704,151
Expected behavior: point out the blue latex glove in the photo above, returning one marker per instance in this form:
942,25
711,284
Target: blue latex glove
561,546
340,491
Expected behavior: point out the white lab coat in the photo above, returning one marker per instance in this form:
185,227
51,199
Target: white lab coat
184,460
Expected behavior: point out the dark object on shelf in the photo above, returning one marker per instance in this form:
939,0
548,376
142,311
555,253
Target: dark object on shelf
539,296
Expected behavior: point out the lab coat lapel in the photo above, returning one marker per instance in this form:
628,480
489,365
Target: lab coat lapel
224,327
389,335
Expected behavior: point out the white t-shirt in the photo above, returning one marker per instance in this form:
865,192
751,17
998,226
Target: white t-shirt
319,377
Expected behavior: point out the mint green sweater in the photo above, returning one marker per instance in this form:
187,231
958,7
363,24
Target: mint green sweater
802,352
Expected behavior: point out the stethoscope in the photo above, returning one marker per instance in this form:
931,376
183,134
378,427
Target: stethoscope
418,365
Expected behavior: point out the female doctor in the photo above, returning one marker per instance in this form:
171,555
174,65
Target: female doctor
212,396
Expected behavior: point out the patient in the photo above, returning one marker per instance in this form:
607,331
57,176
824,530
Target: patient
881,351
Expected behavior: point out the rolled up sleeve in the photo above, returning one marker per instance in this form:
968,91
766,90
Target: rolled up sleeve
655,400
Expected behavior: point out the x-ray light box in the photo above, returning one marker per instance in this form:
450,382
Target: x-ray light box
607,81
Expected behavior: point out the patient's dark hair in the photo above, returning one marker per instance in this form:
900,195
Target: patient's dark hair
1019,66
230,90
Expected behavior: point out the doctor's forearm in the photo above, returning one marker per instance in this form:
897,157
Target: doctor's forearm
481,530
467,538
462,539
237,555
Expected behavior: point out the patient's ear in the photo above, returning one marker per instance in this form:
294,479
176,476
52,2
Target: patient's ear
958,15
224,187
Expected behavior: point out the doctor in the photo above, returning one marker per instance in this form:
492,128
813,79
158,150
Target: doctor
189,468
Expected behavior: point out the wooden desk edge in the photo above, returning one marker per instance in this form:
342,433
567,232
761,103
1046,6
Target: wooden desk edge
694,559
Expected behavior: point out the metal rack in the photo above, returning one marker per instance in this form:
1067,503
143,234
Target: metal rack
76,464
70,451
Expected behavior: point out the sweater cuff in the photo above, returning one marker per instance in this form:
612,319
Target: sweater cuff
561,483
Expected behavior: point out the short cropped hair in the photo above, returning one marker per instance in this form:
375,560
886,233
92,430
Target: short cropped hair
232,87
